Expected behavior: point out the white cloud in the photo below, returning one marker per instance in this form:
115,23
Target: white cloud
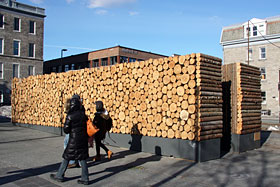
70,1
36,1
133,13
101,12
108,3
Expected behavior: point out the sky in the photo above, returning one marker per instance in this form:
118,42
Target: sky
159,26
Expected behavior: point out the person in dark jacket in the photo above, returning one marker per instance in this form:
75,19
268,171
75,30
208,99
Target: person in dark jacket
77,147
99,120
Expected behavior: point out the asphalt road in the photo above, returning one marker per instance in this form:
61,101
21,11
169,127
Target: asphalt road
28,157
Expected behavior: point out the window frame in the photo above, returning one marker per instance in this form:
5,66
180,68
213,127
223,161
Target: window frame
263,73
1,96
33,52
66,68
2,44
54,69
72,67
33,70
19,24
261,53
2,73
263,97
104,62
18,70
18,47
3,21
250,54
34,27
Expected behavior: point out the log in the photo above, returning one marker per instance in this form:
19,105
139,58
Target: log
212,136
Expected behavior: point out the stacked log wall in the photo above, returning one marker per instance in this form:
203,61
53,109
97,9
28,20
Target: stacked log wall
245,97
174,97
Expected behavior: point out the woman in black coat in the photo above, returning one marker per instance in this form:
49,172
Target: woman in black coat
101,116
77,147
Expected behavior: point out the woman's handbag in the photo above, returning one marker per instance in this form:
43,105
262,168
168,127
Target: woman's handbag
91,128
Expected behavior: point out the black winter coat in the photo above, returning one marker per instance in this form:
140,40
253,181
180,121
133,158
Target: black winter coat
75,125
100,123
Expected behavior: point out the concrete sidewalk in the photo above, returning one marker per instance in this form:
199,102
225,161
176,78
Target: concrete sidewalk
28,157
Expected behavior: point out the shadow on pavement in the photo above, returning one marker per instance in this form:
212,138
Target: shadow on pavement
117,169
174,175
27,140
4,119
25,173
264,136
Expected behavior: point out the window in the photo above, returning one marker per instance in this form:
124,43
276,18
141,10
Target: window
132,59
1,70
1,96
32,27
59,69
1,21
266,112
16,24
53,69
16,48
31,70
262,53
95,63
263,73
255,30
66,68
16,70
72,66
263,94
248,31
113,60
104,61
31,50
250,54
123,59
1,46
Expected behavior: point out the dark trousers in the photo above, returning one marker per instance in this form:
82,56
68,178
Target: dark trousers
100,144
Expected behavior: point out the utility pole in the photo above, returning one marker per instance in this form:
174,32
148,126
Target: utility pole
248,34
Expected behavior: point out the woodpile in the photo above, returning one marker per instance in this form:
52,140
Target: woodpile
175,97
245,97
209,93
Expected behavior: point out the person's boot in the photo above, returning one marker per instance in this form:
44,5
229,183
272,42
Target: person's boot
109,153
96,158
53,177
82,182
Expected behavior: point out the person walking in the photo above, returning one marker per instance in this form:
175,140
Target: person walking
72,163
77,147
99,120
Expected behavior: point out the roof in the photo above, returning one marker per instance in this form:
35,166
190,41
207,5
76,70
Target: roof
269,19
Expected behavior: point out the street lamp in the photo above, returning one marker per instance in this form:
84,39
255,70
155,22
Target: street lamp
62,50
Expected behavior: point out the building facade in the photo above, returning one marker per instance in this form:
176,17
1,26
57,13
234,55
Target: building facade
103,57
21,43
257,42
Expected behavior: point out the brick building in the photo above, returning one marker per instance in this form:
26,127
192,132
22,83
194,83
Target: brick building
21,43
103,57
259,47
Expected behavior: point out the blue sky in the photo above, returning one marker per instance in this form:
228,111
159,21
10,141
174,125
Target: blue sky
160,26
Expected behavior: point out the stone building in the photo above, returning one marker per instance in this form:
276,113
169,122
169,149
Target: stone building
21,43
257,42
102,57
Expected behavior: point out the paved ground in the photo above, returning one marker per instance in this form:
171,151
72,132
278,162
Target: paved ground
28,157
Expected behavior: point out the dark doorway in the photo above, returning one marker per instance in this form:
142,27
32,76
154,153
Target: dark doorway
226,139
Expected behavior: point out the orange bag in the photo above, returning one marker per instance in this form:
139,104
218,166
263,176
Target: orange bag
91,128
